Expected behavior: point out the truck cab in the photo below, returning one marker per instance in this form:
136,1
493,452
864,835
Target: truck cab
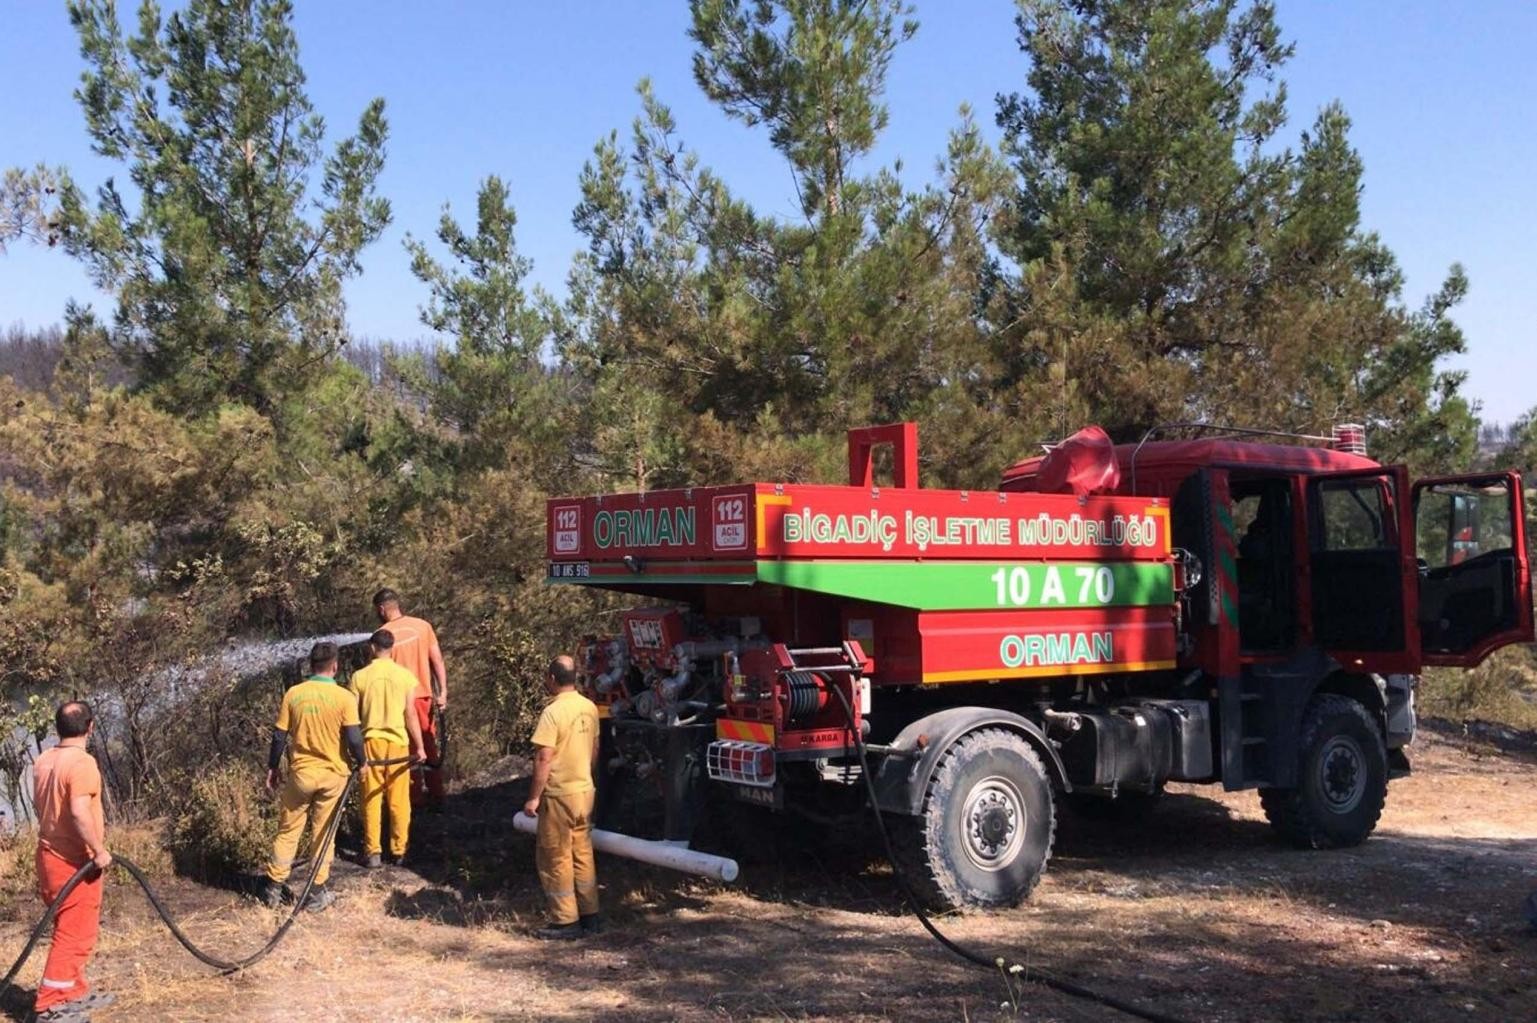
1324,572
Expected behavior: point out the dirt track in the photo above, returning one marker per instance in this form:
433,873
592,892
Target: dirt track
1197,912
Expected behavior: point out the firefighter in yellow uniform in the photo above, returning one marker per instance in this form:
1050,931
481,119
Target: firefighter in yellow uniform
316,719
384,690
561,797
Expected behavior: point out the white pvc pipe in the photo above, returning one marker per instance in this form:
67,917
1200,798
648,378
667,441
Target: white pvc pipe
658,854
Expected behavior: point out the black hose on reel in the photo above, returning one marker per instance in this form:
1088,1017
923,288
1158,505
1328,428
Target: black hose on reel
803,693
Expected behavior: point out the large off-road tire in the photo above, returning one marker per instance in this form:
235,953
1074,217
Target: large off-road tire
1342,778
986,827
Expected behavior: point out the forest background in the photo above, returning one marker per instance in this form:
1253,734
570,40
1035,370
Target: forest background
214,459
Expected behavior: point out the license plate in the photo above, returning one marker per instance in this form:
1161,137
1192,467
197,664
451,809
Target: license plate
771,796
569,570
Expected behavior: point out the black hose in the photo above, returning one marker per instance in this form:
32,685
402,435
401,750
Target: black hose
37,932
1034,976
327,838
440,731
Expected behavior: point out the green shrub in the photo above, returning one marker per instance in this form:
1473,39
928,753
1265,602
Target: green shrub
224,826
1500,690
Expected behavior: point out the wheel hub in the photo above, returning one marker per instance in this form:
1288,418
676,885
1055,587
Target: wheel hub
1342,773
994,823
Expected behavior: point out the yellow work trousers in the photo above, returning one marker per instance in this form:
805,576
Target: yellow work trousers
309,794
386,787
563,854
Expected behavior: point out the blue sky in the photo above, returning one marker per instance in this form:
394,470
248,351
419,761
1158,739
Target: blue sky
1444,99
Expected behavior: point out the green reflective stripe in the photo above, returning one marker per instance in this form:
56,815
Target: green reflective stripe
978,585
1227,581
1227,568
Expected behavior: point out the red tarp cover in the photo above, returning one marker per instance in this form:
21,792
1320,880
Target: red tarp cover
1083,464
1175,459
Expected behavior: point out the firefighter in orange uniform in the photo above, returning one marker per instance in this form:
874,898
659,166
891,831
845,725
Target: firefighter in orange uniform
416,649
71,832
561,798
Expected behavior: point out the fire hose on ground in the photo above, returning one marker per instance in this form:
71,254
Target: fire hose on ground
675,859
224,966
994,964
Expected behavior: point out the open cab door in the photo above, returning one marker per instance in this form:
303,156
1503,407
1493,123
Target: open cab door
1475,586
1359,572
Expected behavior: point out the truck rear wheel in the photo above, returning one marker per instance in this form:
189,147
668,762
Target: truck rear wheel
986,828
1342,778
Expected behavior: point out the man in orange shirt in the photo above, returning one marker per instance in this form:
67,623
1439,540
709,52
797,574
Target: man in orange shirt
416,649
70,833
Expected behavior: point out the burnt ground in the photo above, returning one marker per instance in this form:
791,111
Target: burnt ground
1195,911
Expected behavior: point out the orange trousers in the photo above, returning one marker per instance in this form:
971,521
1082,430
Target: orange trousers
74,930
427,785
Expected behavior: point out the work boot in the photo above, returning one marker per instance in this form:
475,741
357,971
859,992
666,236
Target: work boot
92,1001
275,894
559,932
77,1010
372,861
592,923
320,899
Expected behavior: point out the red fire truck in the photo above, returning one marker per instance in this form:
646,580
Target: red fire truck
1227,610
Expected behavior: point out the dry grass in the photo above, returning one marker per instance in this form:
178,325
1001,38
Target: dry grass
1197,911
1502,691
18,877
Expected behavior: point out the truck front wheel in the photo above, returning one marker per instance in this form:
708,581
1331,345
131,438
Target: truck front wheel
986,828
1342,778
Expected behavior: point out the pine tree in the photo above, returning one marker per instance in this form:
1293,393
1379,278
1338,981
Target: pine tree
1225,276
227,256
766,337
812,71
28,201
490,384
